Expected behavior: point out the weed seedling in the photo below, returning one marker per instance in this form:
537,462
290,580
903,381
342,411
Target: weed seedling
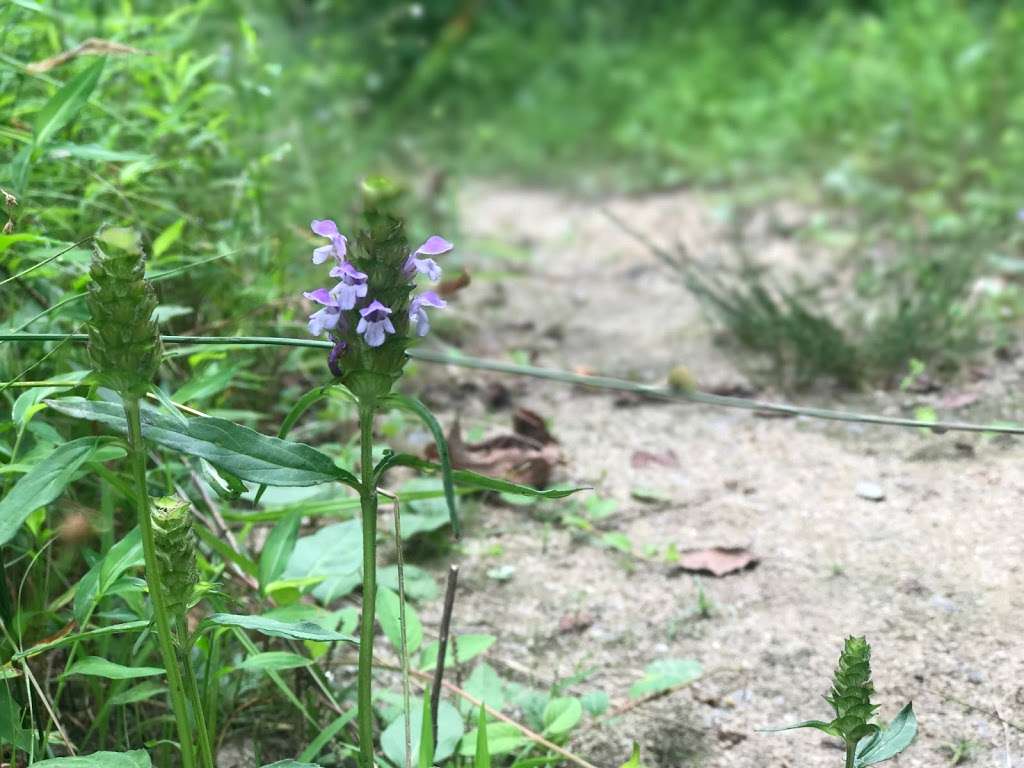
866,743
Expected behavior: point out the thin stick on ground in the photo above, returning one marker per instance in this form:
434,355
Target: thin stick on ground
442,646
406,696
565,377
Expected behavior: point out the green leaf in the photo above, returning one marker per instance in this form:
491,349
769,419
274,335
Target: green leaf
135,694
561,715
167,238
294,414
468,479
66,103
414,406
470,646
335,553
278,549
317,745
273,660
125,554
137,758
819,725
634,758
12,730
291,764
75,637
426,751
501,738
482,756
595,702
388,604
449,731
302,630
239,450
94,666
890,742
665,674
43,483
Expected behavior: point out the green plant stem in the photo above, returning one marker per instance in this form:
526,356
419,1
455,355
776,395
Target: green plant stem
851,753
368,503
165,638
205,743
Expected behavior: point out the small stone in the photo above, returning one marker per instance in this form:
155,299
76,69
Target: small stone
974,677
870,491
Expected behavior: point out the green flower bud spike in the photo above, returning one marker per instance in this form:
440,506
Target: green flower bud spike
124,342
850,697
124,345
175,551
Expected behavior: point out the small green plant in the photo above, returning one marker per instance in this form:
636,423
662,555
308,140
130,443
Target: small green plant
960,751
866,743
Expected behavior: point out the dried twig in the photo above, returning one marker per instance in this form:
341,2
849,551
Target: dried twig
442,646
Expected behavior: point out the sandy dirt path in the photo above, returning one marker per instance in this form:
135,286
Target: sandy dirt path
932,574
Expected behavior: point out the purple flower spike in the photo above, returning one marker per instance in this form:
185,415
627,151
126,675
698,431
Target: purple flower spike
326,319
339,243
333,359
417,313
434,246
374,323
351,287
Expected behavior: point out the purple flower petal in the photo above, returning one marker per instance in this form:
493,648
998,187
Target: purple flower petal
321,296
434,246
324,228
322,254
418,314
346,271
430,299
375,334
346,294
325,319
376,309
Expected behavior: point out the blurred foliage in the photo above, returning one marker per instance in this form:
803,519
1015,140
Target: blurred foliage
243,119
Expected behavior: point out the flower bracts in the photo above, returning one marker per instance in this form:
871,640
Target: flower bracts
175,551
851,692
124,343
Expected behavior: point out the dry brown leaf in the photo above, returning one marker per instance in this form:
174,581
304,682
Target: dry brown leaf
450,287
715,561
576,621
528,455
644,459
93,46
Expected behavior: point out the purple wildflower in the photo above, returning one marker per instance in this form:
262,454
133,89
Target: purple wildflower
351,287
374,323
418,313
333,358
339,243
326,319
434,246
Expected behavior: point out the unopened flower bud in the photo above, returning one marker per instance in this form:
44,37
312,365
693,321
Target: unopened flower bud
124,342
175,550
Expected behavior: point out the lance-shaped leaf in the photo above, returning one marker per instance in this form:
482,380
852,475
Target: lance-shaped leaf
890,742
465,478
43,483
135,759
300,630
244,452
414,406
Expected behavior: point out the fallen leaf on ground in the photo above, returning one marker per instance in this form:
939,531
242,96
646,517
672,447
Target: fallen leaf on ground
955,400
527,455
94,46
576,621
715,561
448,288
643,459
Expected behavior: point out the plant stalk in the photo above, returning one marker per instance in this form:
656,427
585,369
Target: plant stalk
851,753
368,502
205,743
165,638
